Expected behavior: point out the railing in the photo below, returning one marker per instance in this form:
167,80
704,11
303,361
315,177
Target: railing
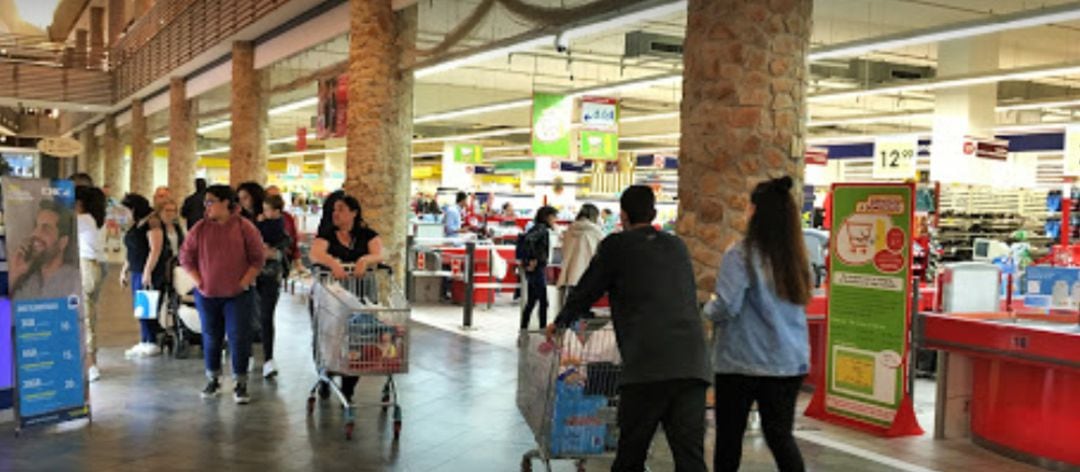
40,50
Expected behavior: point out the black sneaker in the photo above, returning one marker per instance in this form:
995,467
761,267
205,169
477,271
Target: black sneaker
240,394
213,388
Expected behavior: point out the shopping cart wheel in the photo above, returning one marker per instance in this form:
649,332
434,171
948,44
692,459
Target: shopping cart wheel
397,430
526,464
311,405
349,430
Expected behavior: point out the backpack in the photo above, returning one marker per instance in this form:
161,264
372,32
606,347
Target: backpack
531,245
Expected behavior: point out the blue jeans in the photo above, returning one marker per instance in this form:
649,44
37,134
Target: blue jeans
148,329
230,317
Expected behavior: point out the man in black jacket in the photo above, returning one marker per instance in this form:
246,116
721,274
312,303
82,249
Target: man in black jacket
649,279
194,208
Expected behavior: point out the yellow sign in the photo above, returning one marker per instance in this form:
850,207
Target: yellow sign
894,157
1072,150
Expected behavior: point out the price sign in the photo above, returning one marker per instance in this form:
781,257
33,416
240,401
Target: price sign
1072,150
894,158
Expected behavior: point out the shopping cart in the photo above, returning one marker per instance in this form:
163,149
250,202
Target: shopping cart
360,327
568,393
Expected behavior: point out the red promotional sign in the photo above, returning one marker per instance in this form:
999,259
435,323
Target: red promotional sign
816,156
301,139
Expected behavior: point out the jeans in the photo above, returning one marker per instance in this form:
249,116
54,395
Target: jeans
537,293
226,315
775,397
677,404
269,291
148,329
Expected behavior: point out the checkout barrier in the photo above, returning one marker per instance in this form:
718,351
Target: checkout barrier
476,270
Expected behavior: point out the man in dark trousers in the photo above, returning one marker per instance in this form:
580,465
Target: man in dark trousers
648,277
193,207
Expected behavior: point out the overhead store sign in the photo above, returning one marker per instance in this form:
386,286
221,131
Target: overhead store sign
551,125
1072,150
600,113
869,310
599,145
468,153
992,149
333,107
894,157
60,146
816,156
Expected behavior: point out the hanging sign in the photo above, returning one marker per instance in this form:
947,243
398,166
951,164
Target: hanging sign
600,113
551,125
869,295
46,293
1072,150
333,107
468,153
60,146
301,139
894,157
816,156
599,145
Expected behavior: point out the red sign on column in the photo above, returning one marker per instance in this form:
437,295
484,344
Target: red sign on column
301,139
455,267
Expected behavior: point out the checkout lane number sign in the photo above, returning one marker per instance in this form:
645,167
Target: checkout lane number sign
894,157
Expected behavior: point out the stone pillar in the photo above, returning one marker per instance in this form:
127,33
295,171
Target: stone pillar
88,160
182,121
117,20
97,37
142,159
114,158
378,160
743,116
81,49
965,111
141,7
248,137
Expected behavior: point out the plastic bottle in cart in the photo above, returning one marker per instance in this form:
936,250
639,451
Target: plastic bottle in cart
1059,296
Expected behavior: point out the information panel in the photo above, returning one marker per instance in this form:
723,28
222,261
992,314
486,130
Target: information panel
869,305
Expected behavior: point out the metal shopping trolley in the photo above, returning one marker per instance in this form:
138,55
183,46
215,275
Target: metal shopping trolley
360,327
568,393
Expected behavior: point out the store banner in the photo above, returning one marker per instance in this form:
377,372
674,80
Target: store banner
600,113
468,153
869,303
816,156
301,139
1072,150
894,157
46,294
599,145
551,125
333,107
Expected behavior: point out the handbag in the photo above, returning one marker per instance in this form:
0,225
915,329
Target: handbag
147,303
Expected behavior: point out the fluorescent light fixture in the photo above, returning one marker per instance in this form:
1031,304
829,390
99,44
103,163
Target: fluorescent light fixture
208,152
477,110
519,147
629,85
426,154
161,140
289,139
1039,105
648,14
654,117
469,137
861,138
651,137
307,152
862,120
496,53
307,102
1032,127
953,82
658,150
993,24
214,126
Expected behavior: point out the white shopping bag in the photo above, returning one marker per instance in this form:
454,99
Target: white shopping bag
146,304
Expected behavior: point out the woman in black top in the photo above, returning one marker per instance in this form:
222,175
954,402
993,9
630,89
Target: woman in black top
251,196
349,241
146,266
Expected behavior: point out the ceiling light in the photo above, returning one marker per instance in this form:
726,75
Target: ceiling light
290,139
859,138
648,14
208,152
1038,105
963,81
658,150
634,84
310,151
161,140
519,147
307,102
993,24
426,154
469,137
523,103
214,126
653,117
652,137
497,53
862,120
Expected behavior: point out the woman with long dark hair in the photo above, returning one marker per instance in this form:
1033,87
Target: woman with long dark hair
146,266
762,351
533,252
90,211
251,196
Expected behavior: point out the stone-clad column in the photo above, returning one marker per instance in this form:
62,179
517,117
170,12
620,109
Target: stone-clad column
247,138
97,37
81,49
114,158
743,116
117,20
142,6
182,121
89,160
378,159
142,160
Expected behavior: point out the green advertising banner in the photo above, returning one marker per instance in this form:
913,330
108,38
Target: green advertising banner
468,153
551,125
869,304
599,145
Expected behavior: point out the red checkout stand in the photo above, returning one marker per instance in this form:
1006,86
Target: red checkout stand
1025,380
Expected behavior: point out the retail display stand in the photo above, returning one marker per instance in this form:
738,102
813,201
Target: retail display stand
866,379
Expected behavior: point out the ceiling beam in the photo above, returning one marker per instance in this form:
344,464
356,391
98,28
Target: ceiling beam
65,17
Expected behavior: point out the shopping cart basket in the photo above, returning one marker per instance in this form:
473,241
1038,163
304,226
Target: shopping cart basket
568,393
360,327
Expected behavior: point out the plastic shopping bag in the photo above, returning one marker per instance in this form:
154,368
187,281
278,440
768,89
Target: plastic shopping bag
146,304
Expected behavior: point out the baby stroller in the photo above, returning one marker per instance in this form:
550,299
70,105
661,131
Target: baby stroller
186,329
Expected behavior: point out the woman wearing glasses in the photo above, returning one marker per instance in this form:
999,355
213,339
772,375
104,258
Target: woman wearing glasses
223,253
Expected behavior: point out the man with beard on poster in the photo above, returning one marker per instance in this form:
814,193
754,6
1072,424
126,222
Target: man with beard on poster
45,264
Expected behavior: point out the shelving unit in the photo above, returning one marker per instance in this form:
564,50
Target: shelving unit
969,212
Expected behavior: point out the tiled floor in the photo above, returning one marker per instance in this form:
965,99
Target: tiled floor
459,410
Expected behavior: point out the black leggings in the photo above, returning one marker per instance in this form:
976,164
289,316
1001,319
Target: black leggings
775,397
269,291
537,293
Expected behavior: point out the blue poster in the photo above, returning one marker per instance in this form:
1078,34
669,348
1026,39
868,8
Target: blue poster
46,293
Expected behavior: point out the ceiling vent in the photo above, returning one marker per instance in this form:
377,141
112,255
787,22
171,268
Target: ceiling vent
641,43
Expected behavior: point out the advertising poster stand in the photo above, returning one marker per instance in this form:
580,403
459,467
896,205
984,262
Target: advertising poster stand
867,371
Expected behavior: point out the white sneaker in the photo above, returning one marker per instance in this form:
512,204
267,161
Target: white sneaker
151,350
269,370
135,351
92,374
